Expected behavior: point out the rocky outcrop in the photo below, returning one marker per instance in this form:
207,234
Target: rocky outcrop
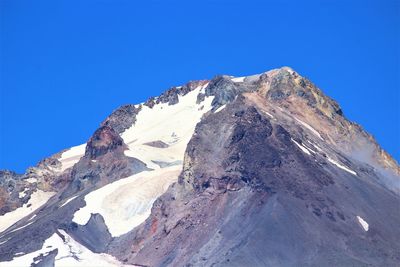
104,140
282,83
171,95
122,118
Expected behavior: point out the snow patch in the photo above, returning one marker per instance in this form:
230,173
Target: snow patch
341,166
19,228
5,241
70,253
363,223
22,194
31,180
309,128
126,203
238,79
69,200
70,157
219,109
269,114
303,148
37,199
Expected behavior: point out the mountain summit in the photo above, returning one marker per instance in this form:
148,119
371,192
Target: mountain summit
262,170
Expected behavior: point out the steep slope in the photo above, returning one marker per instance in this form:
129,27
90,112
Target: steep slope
272,203
263,170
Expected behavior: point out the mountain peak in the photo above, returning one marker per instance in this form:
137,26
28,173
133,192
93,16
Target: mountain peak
211,173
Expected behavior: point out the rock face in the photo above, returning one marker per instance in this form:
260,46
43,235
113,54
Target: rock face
272,175
272,204
104,140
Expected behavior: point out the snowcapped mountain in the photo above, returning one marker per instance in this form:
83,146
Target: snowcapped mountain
263,170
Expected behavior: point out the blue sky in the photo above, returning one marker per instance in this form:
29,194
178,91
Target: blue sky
65,65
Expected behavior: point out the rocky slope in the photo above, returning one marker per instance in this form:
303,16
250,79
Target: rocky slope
263,170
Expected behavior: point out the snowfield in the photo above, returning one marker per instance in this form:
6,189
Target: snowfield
37,199
70,253
238,79
70,157
126,203
171,124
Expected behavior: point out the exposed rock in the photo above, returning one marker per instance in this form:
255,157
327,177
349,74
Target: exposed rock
94,235
104,140
277,177
266,196
122,118
158,143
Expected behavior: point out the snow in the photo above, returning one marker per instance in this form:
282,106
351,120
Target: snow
309,128
70,157
269,114
341,166
303,148
219,109
314,145
126,203
5,241
69,200
22,194
37,199
19,228
238,79
31,180
309,149
203,88
171,124
70,253
363,223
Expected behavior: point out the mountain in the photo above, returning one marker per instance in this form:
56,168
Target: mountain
263,170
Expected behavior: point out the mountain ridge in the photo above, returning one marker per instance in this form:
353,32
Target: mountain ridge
261,140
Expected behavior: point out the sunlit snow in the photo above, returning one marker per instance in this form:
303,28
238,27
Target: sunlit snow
171,124
341,166
70,157
238,79
303,148
69,200
37,199
363,223
70,253
126,203
309,128
219,109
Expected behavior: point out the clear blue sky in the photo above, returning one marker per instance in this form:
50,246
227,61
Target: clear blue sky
65,64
